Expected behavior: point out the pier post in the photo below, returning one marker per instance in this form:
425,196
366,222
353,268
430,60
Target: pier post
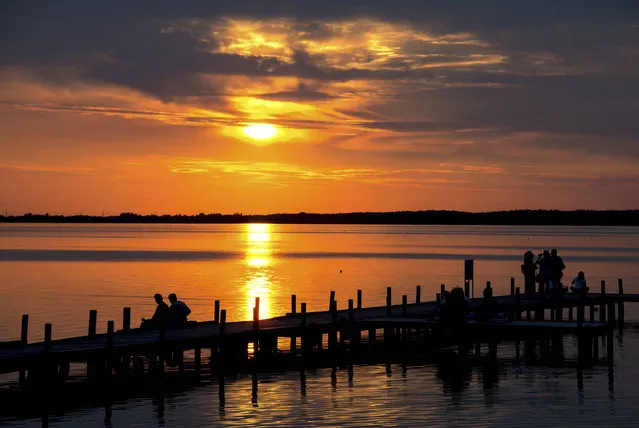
303,323
581,355
332,336
359,300
602,305
47,337
24,330
442,289
467,288
609,340
93,322
404,305
351,315
517,304
488,284
293,345
418,294
438,298
24,334
389,309
197,359
331,300
126,319
109,352
512,286
216,314
223,322
621,308
256,326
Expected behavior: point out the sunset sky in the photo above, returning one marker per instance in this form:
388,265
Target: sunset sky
318,106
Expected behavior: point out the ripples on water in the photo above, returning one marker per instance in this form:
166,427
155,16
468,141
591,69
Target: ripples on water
56,273
502,395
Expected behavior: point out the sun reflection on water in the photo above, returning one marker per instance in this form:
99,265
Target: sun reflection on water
259,275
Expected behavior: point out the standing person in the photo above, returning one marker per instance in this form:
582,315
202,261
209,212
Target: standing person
545,272
179,310
161,315
529,269
558,267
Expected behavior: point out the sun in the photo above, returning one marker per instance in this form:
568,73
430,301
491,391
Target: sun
260,131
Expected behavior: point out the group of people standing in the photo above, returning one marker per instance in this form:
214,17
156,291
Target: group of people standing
547,269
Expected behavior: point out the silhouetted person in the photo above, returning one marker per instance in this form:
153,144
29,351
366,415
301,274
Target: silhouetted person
529,269
558,267
488,308
579,284
455,311
179,311
545,271
161,316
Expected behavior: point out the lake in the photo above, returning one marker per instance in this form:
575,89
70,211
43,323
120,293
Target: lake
58,272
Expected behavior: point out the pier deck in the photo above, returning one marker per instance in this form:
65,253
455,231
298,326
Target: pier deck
14,357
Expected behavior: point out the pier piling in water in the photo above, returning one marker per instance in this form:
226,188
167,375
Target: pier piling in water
602,306
126,319
359,300
216,313
93,322
418,294
621,309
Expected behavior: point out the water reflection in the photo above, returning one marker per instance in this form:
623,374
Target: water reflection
259,274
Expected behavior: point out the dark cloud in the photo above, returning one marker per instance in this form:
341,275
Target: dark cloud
571,66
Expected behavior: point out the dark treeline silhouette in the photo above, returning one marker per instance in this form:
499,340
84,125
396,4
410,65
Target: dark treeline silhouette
515,217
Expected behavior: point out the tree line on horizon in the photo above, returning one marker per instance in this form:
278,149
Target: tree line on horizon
513,217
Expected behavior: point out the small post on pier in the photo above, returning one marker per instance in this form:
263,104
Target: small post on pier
602,305
512,286
621,308
303,322
517,304
256,325
331,300
109,355
467,288
216,314
93,322
332,336
223,322
389,308
442,289
351,315
47,337
126,319
24,330
418,294
404,305
609,340
438,298
581,351
24,334
359,300
488,284
293,346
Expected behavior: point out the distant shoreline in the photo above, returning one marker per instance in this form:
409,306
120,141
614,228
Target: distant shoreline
493,218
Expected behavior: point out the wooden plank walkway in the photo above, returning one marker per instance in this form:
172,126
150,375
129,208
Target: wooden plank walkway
81,349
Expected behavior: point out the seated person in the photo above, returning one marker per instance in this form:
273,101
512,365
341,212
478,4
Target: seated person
178,310
455,311
161,316
488,308
579,284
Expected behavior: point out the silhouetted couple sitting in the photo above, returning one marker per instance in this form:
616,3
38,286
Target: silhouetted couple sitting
168,317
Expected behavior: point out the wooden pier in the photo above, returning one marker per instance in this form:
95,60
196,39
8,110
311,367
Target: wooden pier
347,329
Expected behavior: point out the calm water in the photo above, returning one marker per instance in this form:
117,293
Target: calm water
57,273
